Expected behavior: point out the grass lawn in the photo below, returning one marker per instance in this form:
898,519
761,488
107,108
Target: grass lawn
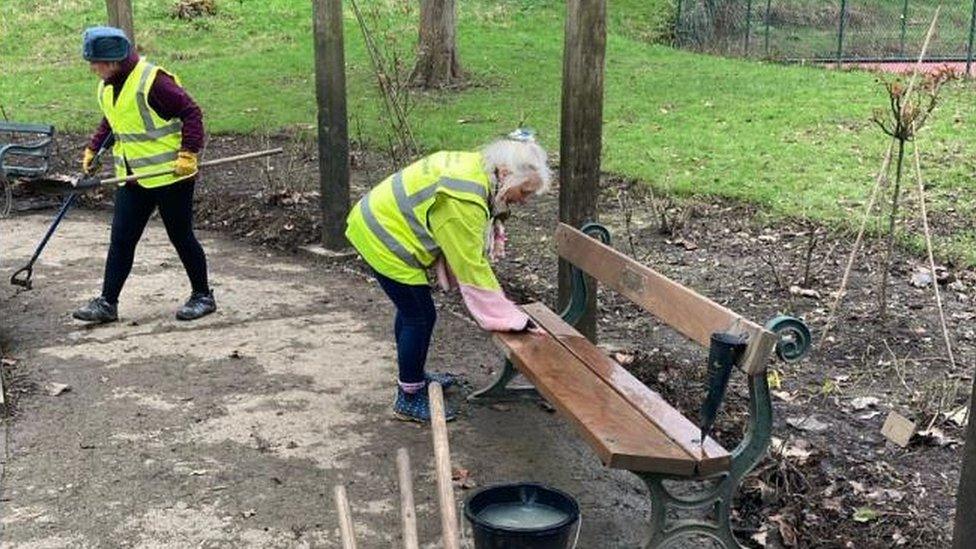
796,140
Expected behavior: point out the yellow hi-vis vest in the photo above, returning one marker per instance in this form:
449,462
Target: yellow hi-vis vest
143,140
389,225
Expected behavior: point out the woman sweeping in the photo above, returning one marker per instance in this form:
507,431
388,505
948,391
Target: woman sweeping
156,126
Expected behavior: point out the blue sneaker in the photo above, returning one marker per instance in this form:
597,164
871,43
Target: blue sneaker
416,407
444,378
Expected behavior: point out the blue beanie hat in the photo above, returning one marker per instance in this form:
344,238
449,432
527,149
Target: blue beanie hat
105,44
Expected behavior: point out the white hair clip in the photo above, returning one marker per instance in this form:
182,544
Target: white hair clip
522,135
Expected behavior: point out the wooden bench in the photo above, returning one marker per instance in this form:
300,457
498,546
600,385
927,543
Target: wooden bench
629,425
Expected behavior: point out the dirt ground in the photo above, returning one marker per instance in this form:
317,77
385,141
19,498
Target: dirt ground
232,431
834,481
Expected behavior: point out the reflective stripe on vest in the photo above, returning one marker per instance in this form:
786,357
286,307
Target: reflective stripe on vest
406,204
385,237
411,208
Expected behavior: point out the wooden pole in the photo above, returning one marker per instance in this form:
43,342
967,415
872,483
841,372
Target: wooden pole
120,17
581,133
345,518
442,460
408,513
333,131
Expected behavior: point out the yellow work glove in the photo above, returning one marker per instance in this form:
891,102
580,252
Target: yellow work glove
86,161
186,163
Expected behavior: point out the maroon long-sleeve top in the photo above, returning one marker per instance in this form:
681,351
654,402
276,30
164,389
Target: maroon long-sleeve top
166,98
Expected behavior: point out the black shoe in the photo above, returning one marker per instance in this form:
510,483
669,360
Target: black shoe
200,304
98,310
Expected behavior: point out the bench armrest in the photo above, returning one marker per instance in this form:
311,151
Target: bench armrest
580,288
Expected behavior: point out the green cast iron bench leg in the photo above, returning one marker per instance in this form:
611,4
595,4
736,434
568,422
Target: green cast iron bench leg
714,501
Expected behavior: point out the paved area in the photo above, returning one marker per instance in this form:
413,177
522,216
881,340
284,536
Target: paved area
232,431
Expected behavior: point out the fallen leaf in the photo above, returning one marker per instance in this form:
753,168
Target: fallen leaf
936,437
869,415
958,416
886,494
775,378
55,389
786,530
785,396
865,514
462,479
198,472
624,359
760,536
249,513
921,279
833,504
6,361
808,423
794,451
862,403
804,292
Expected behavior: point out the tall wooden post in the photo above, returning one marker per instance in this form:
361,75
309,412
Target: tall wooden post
120,17
964,533
333,134
582,128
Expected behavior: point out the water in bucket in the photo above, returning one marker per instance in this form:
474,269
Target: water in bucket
522,515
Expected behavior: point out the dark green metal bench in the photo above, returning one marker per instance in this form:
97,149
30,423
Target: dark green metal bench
25,152
629,425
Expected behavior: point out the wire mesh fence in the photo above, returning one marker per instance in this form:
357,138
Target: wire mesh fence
826,30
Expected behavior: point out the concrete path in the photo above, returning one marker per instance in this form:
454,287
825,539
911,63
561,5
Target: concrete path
232,431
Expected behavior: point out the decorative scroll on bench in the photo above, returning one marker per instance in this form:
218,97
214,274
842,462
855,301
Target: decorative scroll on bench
629,425
25,152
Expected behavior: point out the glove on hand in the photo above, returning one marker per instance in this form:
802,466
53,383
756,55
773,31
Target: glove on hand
86,161
186,164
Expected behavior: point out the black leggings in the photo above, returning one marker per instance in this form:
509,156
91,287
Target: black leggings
133,206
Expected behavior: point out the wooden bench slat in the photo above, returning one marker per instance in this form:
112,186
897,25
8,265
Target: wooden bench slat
621,436
711,458
688,312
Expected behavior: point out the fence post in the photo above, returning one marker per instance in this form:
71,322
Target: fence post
904,23
969,47
745,52
766,47
840,32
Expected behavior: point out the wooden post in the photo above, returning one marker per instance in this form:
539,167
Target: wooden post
408,512
581,132
964,533
333,134
120,17
442,461
346,529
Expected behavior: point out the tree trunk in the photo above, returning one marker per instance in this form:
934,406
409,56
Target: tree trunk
584,51
120,17
964,534
437,60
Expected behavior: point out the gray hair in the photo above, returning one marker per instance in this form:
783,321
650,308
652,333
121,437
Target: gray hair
522,158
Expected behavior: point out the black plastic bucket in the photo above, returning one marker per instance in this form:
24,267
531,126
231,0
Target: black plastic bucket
552,531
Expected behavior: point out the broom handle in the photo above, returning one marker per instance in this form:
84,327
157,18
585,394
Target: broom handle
208,163
442,461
